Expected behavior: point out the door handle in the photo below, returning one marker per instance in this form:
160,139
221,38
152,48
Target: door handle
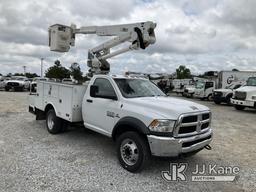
89,100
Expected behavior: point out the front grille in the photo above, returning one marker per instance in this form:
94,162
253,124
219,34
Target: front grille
13,84
205,125
188,129
188,144
189,119
192,124
206,116
217,94
240,95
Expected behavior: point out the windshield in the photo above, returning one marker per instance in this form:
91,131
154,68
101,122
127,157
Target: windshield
199,85
131,88
233,86
230,86
251,81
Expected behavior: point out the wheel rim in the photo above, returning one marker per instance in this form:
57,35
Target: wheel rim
50,121
129,152
210,98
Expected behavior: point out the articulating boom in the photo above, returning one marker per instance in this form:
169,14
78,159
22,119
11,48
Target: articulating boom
140,35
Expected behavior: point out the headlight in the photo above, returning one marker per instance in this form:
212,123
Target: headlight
253,97
162,125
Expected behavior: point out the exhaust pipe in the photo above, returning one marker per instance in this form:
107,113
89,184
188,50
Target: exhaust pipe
208,147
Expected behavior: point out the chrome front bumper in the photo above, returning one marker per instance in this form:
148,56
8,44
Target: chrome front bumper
172,147
247,103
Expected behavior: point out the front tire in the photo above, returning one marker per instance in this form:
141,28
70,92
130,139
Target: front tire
209,98
133,151
53,123
228,98
239,107
7,88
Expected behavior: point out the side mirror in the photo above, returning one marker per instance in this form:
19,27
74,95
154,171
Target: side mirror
93,90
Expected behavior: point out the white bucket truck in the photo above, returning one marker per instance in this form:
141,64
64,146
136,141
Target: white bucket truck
133,111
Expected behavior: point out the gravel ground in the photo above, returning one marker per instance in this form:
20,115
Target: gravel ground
81,160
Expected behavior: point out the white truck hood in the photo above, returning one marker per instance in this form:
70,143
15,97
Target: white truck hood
224,90
15,81
166,107
247,88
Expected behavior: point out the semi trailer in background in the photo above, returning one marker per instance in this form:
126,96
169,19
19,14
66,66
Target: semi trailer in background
219,81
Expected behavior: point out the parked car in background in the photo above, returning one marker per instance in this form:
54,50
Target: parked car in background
33,84
224,95
180,84
189,91
3,81
18,83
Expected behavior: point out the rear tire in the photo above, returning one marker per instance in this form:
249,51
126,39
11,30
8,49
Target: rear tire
239,107
53,123
133,151
209,98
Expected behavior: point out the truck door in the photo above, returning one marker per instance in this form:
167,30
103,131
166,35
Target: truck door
209,86
99,111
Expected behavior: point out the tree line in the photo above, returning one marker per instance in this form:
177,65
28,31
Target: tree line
57,71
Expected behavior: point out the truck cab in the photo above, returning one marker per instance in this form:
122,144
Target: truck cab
245,96
224,95
134,112
204,89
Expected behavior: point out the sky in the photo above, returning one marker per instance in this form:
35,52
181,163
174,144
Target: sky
203,35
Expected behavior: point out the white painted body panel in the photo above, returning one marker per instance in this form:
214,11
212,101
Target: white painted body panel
227,78
66,99
250,96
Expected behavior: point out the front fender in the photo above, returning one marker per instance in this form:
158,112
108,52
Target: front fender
132,123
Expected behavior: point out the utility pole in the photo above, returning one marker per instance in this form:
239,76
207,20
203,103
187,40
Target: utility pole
42,59
24,67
